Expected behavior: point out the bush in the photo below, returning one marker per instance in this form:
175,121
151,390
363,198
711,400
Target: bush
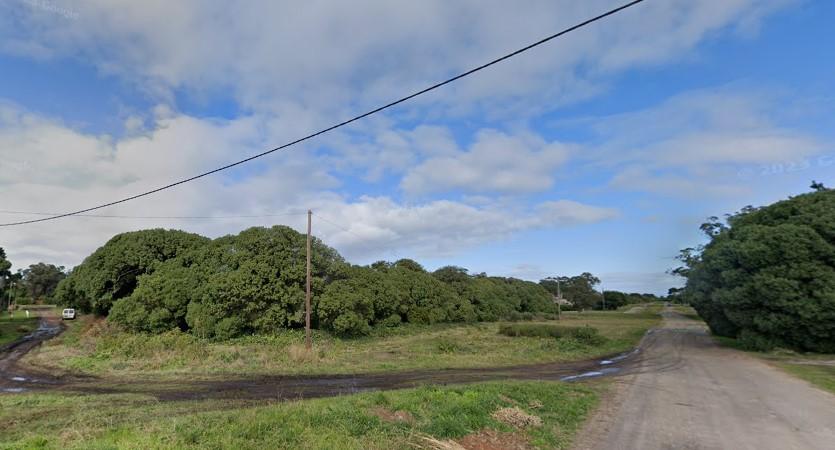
768,276
113,270
585,335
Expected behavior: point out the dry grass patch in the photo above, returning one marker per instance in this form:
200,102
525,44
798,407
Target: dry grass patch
517,418
388,415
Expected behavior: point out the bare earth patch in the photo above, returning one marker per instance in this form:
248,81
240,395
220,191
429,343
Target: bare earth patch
493,440
517,418
388,415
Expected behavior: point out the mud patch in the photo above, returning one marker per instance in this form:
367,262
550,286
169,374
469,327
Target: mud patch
493,440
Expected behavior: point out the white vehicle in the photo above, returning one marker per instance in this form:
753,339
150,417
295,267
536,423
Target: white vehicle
68,314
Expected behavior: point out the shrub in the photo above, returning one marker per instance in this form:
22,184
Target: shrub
585,335
767,277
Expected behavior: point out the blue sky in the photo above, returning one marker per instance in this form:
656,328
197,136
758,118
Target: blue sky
599,152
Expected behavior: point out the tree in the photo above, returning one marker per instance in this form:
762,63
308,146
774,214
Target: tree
817,186
253,282
5,278
768,276
112,271
579,290
41,279
616,299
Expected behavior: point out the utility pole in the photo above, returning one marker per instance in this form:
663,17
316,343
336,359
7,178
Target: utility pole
559,301
603,294
307,341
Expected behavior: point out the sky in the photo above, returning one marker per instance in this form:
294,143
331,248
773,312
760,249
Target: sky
600,152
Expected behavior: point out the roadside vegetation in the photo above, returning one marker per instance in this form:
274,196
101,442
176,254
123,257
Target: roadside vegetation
253,283
507,414
12,329
816,368
767,275
821,375
95,346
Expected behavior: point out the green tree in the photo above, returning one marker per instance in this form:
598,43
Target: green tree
113,270
253,282
768,276
579,290
5,278
41,279
615,299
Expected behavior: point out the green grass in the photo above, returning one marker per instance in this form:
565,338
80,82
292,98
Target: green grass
816,368
65,421
13,329
96,348
822,376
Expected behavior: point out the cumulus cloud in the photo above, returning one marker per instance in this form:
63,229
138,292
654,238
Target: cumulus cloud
695,143
50,167
375,225
322,53
496,162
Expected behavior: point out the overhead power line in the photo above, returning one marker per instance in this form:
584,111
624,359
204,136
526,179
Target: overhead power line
340,124
117,216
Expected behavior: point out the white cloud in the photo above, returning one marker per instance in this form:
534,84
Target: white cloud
375,225
496,162
695,143
270,55
52,168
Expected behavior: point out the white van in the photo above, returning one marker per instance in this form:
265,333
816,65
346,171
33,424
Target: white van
68,314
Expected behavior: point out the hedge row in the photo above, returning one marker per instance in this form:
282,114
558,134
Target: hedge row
157,280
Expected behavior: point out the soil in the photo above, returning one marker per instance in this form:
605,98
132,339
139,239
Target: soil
494,440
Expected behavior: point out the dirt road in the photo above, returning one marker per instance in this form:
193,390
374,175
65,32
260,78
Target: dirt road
686,392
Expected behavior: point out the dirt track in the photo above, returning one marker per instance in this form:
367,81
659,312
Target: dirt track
15,379
299,386
686,392
10,353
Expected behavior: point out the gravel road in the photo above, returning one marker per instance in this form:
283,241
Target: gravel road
686,392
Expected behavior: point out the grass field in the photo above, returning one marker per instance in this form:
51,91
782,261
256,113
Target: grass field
412,418
13,329
94,347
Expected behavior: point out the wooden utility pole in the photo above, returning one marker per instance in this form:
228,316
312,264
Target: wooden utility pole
307,341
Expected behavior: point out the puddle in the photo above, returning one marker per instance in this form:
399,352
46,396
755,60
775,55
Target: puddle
18,379
592,374
14,390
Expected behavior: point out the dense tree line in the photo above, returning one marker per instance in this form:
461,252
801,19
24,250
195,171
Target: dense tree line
581,291
113,271
37,283
767,275
253,282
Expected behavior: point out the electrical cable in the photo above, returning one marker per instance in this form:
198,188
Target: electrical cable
340,124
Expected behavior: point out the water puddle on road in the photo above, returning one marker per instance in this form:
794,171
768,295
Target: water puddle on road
591,374
13,390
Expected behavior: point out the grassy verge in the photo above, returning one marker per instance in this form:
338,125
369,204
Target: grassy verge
94,347
398,419
822,376
12,329
816,368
